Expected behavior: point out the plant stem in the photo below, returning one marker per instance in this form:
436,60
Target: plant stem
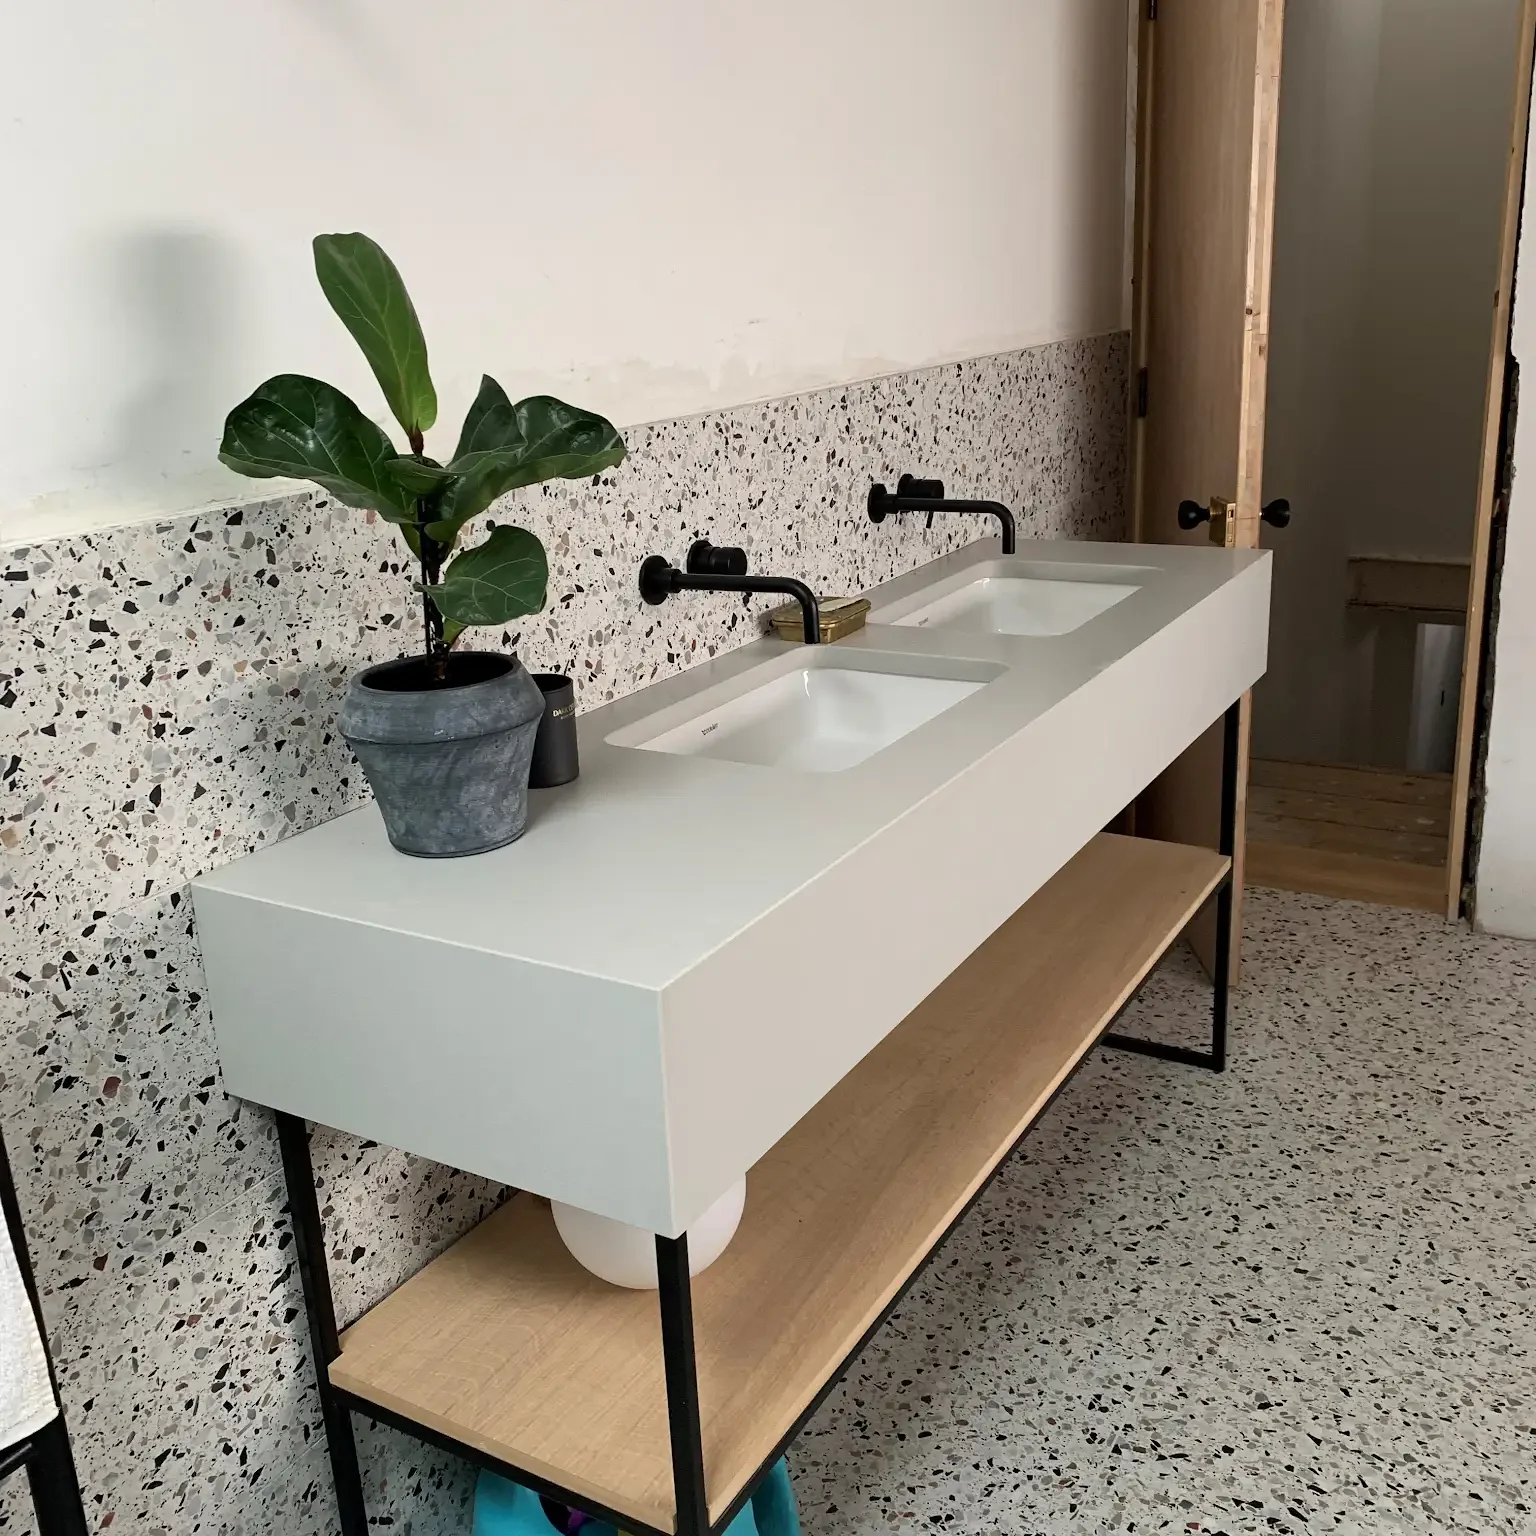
431,567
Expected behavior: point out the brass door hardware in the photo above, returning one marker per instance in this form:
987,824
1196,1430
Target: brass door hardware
1221,514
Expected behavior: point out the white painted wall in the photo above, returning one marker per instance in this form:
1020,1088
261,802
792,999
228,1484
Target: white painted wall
1394,129
1506,864
652,209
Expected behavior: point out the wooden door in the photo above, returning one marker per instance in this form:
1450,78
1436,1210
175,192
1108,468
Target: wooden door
1207,108
1489,468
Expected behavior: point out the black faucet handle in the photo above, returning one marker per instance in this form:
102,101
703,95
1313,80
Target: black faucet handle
926,490
706,559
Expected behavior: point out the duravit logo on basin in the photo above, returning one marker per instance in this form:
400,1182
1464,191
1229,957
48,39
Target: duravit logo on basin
714,725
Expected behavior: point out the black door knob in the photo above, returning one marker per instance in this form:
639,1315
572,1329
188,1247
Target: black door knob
1192,514
1277,513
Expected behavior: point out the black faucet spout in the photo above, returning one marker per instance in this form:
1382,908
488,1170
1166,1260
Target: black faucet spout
660,579
913,495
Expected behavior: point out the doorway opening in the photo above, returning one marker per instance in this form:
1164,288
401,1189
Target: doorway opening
1394,231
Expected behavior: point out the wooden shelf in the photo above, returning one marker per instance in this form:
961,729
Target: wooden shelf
1430,590
506,1344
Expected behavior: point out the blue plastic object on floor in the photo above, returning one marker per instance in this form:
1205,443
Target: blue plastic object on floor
504,1508
773,1504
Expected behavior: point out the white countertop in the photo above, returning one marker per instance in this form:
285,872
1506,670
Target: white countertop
663,900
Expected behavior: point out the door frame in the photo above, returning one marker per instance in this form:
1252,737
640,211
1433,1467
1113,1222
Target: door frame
1203,754
1260,261
1473,656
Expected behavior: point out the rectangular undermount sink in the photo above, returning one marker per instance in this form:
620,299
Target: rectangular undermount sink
815,712
1015,598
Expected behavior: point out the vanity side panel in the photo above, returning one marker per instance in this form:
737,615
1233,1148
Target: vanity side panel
820,981
540,1078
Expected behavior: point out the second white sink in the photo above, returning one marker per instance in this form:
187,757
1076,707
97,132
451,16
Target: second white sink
815,711
1010,597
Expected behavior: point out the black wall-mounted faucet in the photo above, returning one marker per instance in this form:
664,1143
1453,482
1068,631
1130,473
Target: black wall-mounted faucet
723,568
914,495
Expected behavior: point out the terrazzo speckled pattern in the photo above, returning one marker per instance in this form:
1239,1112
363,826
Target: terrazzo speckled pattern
167,694
1294,1299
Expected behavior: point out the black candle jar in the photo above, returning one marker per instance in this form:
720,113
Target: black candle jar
554,748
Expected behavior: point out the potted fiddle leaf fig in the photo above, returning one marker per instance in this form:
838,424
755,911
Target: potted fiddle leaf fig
445,737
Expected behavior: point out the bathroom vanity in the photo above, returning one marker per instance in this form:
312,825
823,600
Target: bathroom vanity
839,917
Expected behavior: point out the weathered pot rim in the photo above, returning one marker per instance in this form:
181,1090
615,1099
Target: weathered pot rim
398,717
512,663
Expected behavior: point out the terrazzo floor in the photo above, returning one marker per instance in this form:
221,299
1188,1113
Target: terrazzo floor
1297,1298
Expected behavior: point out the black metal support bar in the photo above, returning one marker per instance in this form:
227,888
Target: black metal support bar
1215,1059
677,1353
55,1484
324,1340
14,1456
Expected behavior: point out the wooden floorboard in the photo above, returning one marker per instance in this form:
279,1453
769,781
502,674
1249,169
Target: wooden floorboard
1345,837
1351,877
1415,818
1364,834
1432,789
504,1343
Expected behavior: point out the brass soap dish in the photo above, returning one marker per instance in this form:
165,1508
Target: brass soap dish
839,616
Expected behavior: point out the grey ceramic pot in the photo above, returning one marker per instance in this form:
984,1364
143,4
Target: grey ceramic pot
448,764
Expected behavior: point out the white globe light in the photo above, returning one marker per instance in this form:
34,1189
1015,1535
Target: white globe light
624,1255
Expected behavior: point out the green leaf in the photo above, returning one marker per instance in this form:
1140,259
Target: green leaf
366,291
505,446
496,582
308,430
421,477
452,629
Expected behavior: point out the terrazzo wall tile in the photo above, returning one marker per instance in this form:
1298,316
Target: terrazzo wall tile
168,694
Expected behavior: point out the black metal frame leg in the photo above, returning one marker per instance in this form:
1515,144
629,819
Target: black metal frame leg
324,1340
677,1353
55,1484
1215,1059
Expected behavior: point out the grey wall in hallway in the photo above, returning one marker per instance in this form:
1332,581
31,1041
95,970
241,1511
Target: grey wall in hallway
1394,132
168,693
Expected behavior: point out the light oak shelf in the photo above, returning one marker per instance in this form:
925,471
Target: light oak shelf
506,1344
1429,590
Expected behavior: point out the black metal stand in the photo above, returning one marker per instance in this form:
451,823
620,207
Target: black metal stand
324,1339
674,1289
1215,1059
683,1425
46,1453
